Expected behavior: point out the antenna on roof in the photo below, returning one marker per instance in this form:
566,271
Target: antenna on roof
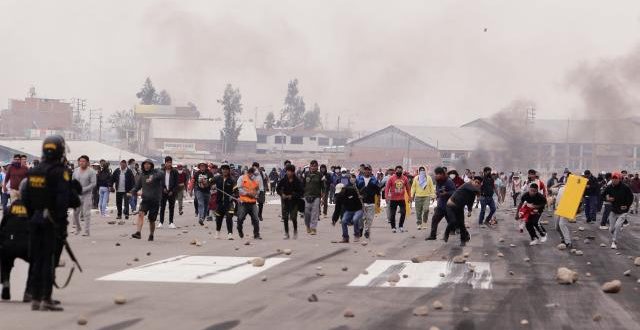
32,92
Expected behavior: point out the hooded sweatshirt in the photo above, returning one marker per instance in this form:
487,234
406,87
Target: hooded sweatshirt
150,182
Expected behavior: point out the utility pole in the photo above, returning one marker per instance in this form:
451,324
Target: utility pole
78,106
96,114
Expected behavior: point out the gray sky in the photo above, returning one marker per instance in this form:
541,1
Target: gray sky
391,62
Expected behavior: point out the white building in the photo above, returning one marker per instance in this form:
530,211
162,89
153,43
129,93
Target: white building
300,140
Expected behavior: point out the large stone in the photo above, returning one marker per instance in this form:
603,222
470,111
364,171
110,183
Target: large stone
419,259
459,260
119,300
287,251
562,246
421,311
524,322
637,261
394,278
612,286
348,313
437,305
500,254
82,320
258,262
566,276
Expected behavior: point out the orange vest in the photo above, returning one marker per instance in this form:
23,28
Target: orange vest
249,186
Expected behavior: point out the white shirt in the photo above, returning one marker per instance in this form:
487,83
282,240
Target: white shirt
167,176
122,181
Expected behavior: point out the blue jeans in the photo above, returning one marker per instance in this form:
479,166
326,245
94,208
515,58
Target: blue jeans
354,218
104,199
133,203
5,200
590,207
203,203
605,214
484,202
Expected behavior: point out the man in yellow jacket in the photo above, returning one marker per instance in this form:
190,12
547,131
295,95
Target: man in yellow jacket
422,191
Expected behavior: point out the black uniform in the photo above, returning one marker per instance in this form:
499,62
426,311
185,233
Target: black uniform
47,197
226,204
14,243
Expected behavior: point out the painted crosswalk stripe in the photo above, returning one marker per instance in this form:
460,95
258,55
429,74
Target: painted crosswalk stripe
194,269
425,274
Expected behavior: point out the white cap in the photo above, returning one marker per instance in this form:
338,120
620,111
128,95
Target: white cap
339,187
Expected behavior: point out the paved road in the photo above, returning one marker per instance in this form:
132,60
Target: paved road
280,302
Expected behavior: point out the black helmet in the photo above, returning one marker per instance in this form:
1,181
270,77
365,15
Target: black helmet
53,147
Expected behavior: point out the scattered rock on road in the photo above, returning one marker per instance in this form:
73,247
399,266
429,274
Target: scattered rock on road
365,272
527,259
524,322
421,311
612,286
500,254
287,251
394,278
405,276
637,261
597,318
603,245
441,274
345,268
627,272
313,298
512,245
459,260
247,243
117,244
500,239
119,300
380,254
364,243
348,313
566,276
465,309
588,274
419,259
258,262
579,252
437,305
581,228
82,320
562,246
263,279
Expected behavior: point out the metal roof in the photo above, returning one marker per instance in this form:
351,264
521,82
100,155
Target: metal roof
95,150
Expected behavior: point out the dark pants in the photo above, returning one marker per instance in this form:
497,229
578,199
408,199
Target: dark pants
484,202
171,199
438,214
226,212
533,224
515,199
8,255
95,198
122,198
290,212
42,246
590,207
605,214
393,208
5,200
455,218
325,204
252,210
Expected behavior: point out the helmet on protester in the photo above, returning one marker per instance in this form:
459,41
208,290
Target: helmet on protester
53,147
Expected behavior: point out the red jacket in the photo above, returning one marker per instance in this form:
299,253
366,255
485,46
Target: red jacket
396,188
15,175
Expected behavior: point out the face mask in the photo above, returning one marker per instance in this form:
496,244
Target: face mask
398,173
423,173
452,176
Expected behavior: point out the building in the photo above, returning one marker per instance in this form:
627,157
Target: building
144,113
35,118
575,144
95,150
195,139
299,140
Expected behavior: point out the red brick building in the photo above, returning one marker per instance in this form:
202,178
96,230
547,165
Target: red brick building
27,118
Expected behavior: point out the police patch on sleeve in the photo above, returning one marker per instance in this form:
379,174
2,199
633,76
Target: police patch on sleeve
66,176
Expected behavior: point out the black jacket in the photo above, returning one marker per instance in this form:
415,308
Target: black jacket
622,197
347,200
14,228
593,187
293,188
129,179
103,178
465,195
226,185
173,181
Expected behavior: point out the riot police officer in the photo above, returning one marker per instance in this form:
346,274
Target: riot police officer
47,196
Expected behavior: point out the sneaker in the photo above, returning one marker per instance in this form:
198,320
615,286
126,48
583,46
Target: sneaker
313,231
366,234
26,298
86,233
286,236
217,236
543,239
614,246
35,305
209,218
159,225
136,235
150,238
393,230
230,236
430,238
119,217
402,230
308,230
180,212
534,242
258,237
172,226
126,217
49,305
201,222
344,240
604,227
6,293
295,235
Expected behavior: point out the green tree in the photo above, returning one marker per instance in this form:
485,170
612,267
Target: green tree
312,118
164,98
294,107
231,107
147,94
270,121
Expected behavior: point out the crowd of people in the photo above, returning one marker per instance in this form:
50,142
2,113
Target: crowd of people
226,192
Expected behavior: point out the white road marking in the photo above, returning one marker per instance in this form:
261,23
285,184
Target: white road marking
425,274
194,269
